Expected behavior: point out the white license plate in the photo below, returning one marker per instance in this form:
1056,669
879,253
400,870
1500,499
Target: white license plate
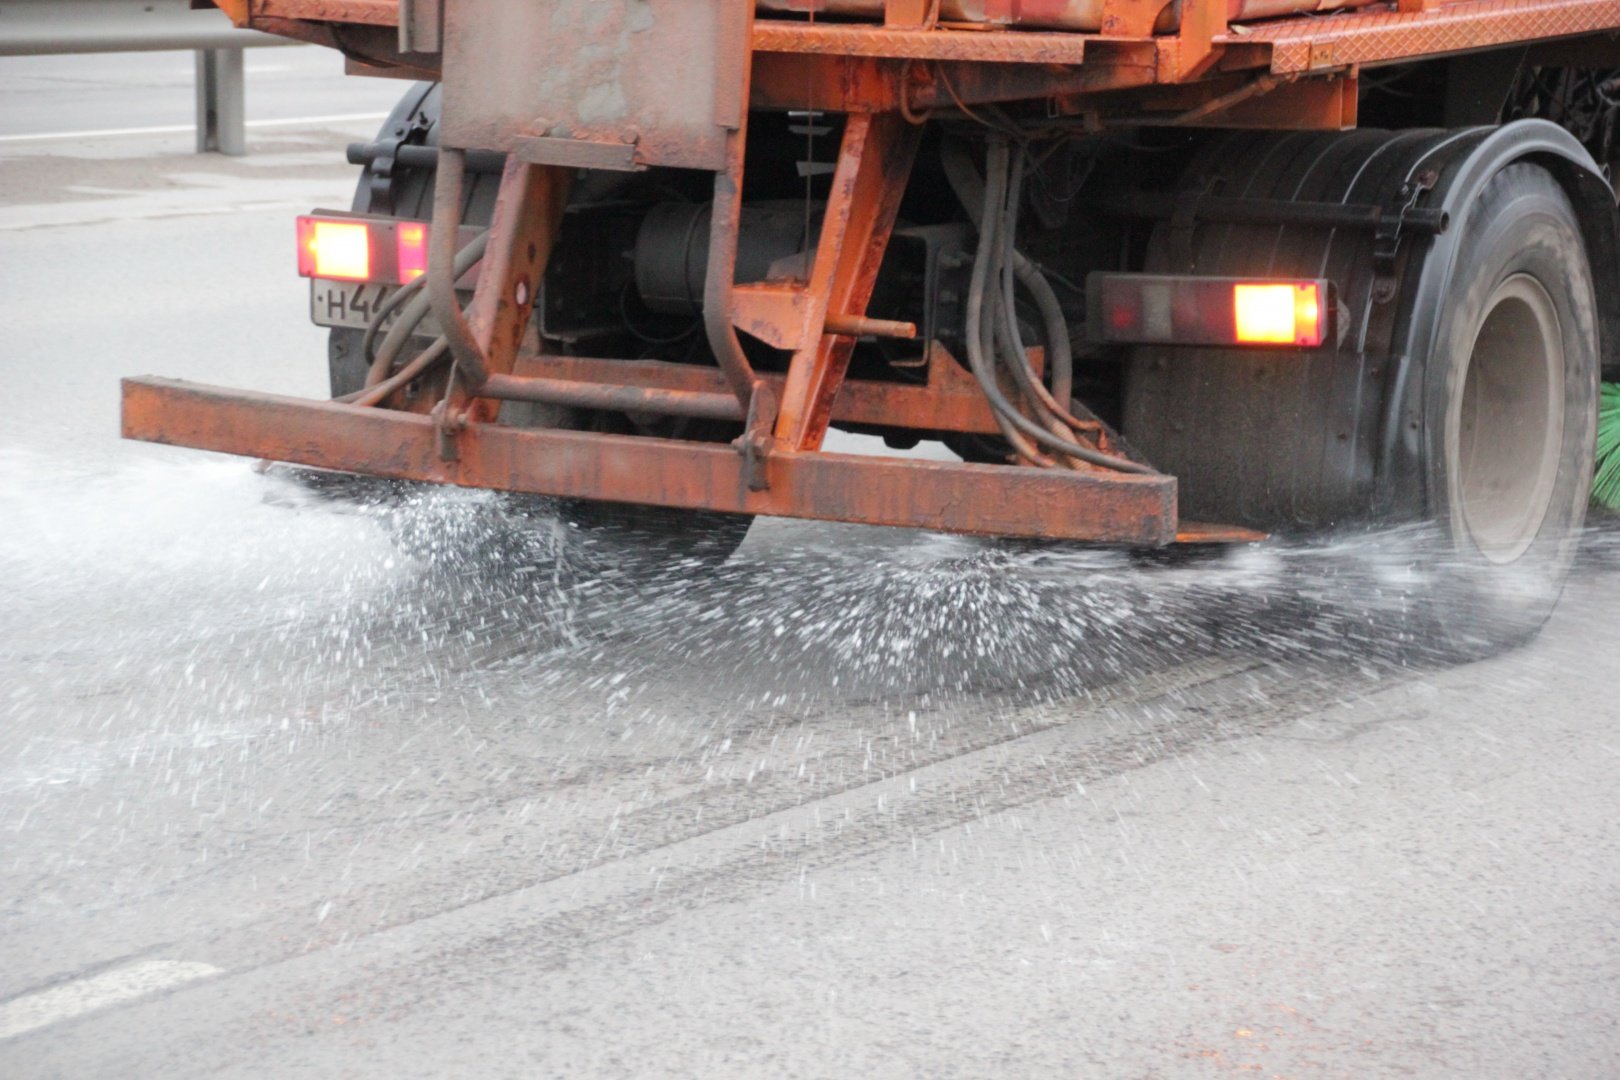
354,304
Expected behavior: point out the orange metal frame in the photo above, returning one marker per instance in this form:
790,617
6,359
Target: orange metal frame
911,60
886,77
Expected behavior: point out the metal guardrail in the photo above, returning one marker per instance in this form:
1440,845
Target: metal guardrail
52,27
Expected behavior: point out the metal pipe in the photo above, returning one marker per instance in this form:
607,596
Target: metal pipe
1230,210
441,275
221,102
412,156
611,398
937,495
724,225
861,326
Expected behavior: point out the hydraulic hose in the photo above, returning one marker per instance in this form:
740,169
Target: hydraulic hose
368,340
993,219
979,334
1045,405
424,360
963,177
415,310
1003,330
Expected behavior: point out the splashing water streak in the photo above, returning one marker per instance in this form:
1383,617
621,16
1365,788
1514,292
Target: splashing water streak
174,627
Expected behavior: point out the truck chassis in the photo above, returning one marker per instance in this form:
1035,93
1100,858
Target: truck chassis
554,94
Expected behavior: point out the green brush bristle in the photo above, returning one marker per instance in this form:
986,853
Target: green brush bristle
1606,481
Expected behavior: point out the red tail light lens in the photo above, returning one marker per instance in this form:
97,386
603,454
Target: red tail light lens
1277,314
334,249
1165,309
410,250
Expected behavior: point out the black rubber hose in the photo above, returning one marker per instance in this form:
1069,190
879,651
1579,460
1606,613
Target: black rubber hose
424,360
1002,303
368,340
983,370
963,177
416,310
1045,405
1060,355
1020,444
978,332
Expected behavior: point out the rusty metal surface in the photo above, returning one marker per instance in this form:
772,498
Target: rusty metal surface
1054,14
874,166
665,78
1000,500
362,12
1373,36
528,212
949,401
614,397
861,65
1326,102
720,277
1203,532
854,40
631,83
1130,17
517,67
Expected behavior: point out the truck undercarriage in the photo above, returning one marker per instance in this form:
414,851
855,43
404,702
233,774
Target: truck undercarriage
1133,261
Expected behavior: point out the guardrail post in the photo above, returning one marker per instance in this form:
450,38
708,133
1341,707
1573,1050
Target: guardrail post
220,102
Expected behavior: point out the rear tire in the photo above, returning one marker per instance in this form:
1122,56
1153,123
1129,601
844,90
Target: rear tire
1513,413
1482,434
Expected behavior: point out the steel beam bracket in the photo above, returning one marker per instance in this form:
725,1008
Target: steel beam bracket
995,500
446,426
1392,224
383,157
756,441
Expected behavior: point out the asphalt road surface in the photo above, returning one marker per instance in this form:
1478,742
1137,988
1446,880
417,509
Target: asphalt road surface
292,788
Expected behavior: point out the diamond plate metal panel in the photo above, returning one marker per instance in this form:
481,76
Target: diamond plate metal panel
1370,37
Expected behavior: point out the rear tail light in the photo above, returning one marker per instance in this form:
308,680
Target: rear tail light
1278,314
1150,309
353,248
410,250
334,249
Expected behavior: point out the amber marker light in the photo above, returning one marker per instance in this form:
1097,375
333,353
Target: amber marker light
334,249
1277,314
410,248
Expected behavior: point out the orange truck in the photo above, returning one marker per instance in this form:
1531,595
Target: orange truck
1157,271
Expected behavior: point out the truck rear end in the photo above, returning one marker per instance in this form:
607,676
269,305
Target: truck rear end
1156,272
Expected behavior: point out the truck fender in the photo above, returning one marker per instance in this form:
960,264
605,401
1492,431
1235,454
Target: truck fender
1461,167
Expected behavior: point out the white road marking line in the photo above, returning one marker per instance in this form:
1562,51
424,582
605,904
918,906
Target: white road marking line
46,1007
176,129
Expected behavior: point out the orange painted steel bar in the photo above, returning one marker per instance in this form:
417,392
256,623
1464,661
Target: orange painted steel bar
528,212
949,401
874,165
1385,34
995,500
613,397
1291,37
1107,16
